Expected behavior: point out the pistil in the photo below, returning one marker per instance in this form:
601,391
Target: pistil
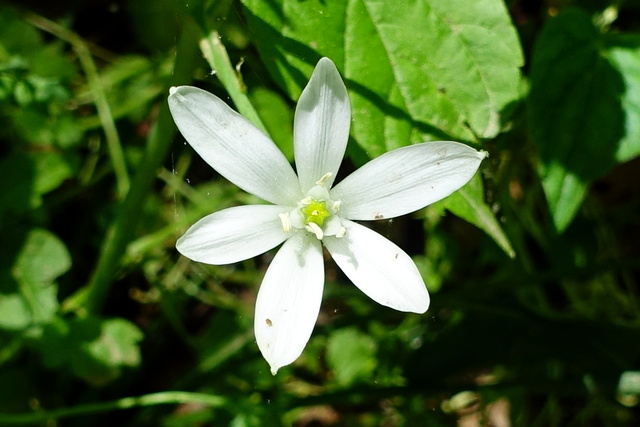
315,213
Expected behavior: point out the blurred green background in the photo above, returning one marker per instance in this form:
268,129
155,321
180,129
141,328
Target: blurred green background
533,267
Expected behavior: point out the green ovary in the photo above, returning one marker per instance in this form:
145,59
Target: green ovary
315,212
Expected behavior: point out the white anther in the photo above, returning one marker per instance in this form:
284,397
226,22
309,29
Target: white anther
341,233
336,206
315,229
324,179
286,222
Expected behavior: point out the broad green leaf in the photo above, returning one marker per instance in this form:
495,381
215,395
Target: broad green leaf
14,312
29,296
450,76
351,354
52,169
42,259
468,203
584,108
118,344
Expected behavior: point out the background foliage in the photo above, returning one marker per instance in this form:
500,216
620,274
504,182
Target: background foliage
533,267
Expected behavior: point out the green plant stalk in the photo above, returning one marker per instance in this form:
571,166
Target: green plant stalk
216,55
162,398
91,298
114,145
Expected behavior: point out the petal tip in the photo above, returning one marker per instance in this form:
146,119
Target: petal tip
417,306
325,60
172,90
422,309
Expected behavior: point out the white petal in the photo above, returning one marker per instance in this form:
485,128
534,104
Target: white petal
379,268
234,234
406,179
233,146
321,125
289,300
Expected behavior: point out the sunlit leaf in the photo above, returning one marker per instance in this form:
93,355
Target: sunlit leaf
93,349
351,355
624,54
29,296
450,76
43,258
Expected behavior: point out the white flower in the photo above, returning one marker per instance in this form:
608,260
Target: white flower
308,211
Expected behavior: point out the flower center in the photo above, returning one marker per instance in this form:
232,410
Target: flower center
315,213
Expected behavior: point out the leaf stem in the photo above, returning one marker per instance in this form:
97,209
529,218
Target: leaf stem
114,145
162,398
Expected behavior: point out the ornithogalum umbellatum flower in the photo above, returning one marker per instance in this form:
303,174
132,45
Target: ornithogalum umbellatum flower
307,211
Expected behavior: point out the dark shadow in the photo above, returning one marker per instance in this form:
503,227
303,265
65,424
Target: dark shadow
576,115
16,189
528,345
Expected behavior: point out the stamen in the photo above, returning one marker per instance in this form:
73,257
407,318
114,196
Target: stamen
315,229
324,179
286,221
341,233
336,206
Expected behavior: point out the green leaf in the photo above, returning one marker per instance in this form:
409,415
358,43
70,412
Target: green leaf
277,118
42,259
29,296
578,122
468,203
624,54
14,312
351,355
117,345
451,76
52,169
93,349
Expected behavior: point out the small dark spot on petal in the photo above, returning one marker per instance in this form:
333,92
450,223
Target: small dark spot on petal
269,322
